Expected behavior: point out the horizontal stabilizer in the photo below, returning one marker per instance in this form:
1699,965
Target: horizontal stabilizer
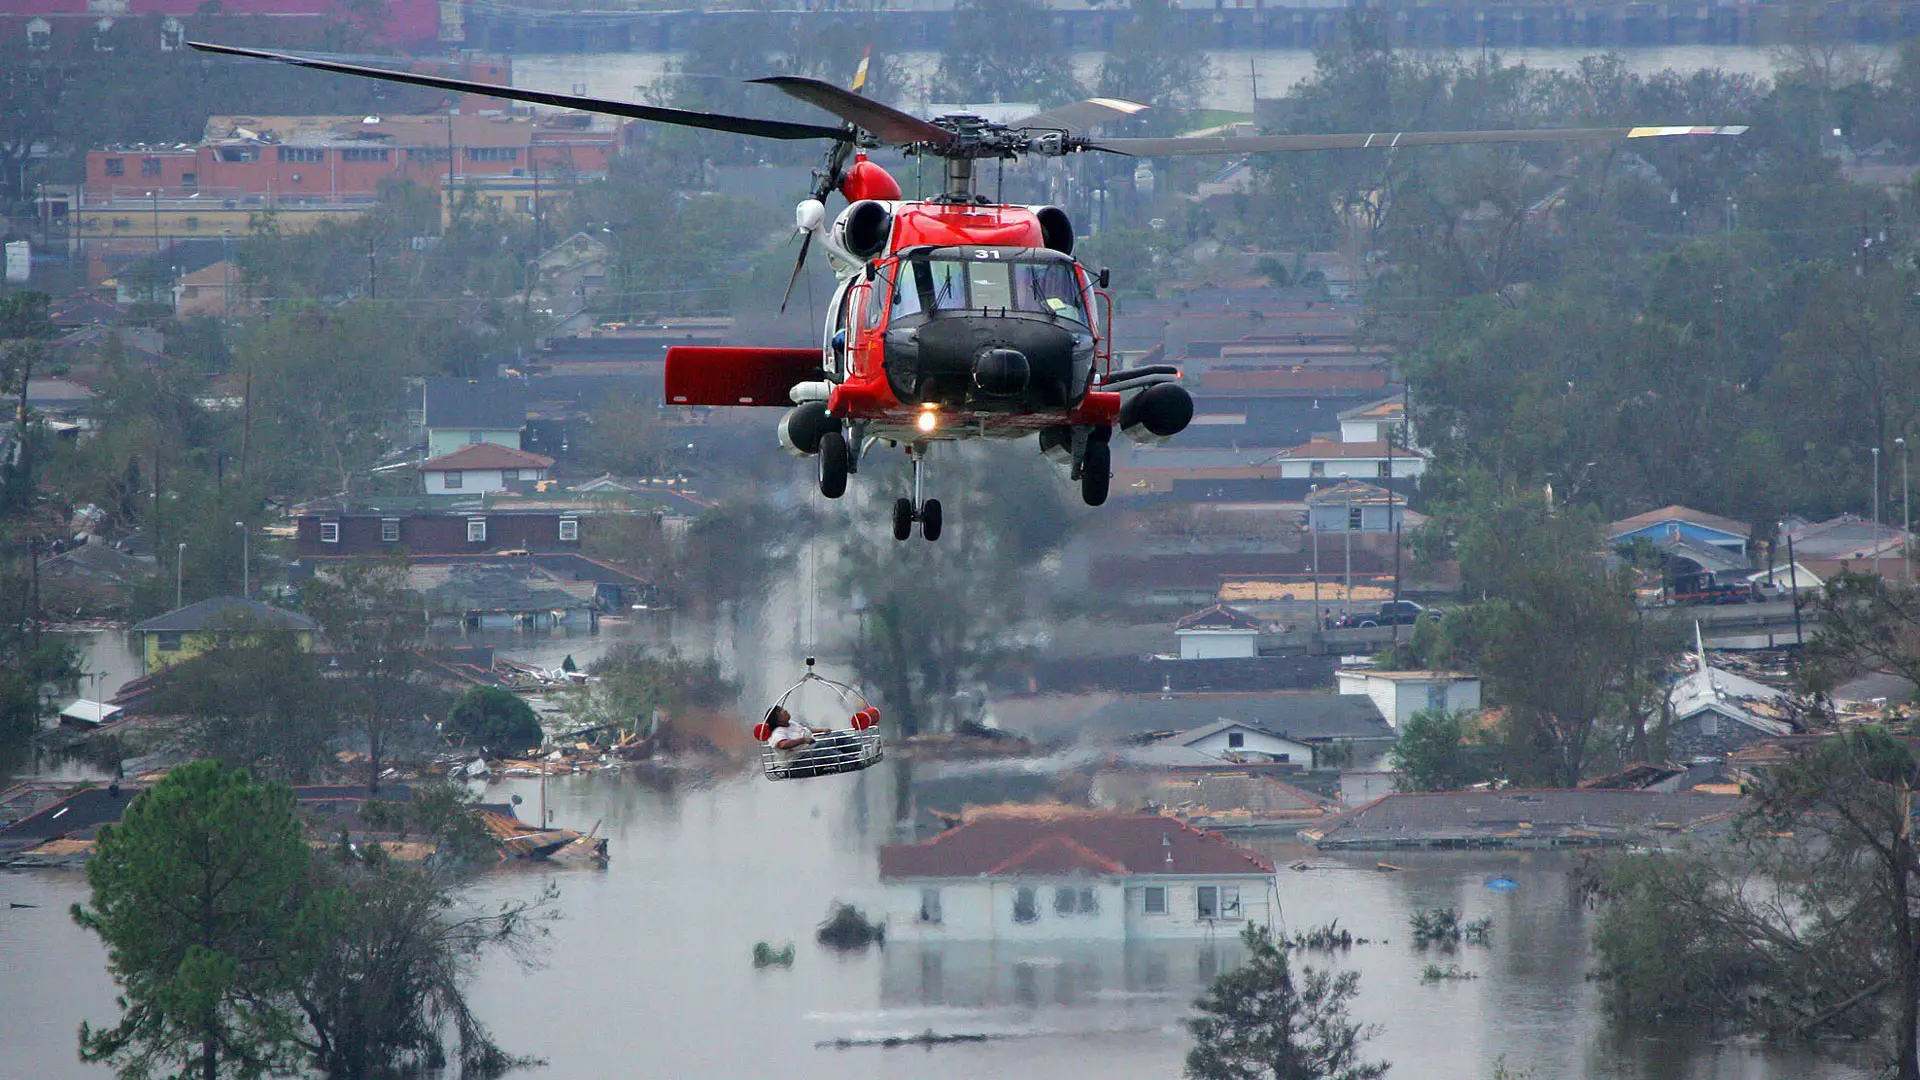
725,375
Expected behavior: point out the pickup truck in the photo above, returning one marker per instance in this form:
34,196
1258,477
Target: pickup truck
1401,612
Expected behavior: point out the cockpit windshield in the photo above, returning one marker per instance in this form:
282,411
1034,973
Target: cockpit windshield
1010,284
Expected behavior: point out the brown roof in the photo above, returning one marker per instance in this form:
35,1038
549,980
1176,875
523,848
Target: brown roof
1218,617
486,456
1068,841
1324,448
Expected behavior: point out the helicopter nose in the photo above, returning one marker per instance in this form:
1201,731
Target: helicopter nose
1001,372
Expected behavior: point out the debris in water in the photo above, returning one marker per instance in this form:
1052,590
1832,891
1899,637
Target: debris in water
848,929
928,1038
765,955
1502,884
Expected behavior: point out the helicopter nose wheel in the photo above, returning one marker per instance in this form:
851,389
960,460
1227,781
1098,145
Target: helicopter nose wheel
907,511
1096,472
835,460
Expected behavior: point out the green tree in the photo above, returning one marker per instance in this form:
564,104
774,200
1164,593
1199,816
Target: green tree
1805,928
1156,60
257,703
200,896
1262,1022
492,717
1434,753
1557,636
391,986
375,634
996,51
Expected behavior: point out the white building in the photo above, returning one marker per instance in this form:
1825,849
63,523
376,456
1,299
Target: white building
1217,633
1400,694
1375,422
481,468
1231,740
1014,874
1349,460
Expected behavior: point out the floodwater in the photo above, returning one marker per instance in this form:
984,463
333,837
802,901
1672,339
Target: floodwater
648,972
621,76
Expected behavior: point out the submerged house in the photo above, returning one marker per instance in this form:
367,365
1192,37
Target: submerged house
215,621
1055,873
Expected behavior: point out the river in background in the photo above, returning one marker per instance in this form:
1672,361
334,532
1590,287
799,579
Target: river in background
622,76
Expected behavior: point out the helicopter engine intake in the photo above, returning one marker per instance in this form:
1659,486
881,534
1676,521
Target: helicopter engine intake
1157,413
865,227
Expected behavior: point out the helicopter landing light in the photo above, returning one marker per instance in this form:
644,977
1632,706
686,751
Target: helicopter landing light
929,419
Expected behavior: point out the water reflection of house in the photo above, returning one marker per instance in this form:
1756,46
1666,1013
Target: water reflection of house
1091,975
498,596
1051,873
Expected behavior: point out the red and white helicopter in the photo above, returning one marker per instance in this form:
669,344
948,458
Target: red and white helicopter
954,317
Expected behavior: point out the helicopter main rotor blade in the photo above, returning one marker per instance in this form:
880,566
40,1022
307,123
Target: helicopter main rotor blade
1385,140
1077,118
738,125
883,121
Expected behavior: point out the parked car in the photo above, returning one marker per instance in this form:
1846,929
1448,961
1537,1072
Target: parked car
1390,613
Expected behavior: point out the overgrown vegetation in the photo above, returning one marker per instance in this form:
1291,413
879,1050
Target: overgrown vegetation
1440,927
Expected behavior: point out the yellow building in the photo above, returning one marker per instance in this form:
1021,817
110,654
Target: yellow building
222,620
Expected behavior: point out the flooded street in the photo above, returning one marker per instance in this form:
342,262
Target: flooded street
649,971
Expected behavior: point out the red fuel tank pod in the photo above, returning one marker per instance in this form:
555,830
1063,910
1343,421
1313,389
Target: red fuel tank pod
865,180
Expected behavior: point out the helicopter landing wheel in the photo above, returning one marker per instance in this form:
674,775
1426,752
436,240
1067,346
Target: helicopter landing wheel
902,518
1096,470
930,519
834,460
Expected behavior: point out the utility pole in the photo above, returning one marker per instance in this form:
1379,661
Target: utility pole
373,275
1313,529
246,562
179,577
1906,511
1346,598
1394,524
1876,511
1793,583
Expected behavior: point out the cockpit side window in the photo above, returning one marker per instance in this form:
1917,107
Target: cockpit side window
906,289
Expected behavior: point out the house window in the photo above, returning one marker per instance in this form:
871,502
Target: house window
493,153
364,154
167,641
329,532
1066,901
1316,468
930,905
429,154
1437,698
302,155
1236,739
193,223
1710,724
523,204
116,166
569,528
476,437
508,476
238,153
390,530
190,179
1026,909
451,479
1353,519
476,530
150,166
1386,471
1153,900
1217,901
